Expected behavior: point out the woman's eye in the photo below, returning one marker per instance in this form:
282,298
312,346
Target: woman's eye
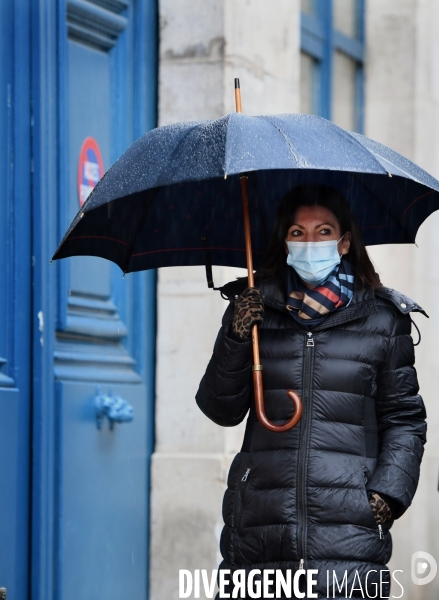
295,233
325,231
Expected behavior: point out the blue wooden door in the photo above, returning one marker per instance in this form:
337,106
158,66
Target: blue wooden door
91,498
15,298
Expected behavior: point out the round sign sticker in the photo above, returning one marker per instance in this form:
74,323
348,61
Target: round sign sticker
90,168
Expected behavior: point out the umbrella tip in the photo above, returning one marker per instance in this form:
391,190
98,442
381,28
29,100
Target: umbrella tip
389,174
238,103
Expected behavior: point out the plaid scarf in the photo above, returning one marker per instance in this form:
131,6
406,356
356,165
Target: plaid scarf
312,305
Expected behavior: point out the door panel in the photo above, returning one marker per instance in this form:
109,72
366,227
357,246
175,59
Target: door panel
89,99
103,501
102,489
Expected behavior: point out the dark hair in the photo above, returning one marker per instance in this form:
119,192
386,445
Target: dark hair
273,264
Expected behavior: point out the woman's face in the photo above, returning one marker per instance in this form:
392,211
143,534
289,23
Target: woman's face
317,224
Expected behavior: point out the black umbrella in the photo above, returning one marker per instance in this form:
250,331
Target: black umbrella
174,197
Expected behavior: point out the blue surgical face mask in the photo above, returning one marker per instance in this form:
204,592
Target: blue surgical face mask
313,261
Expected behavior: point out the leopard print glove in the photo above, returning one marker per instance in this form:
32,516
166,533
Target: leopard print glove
249,311
380,509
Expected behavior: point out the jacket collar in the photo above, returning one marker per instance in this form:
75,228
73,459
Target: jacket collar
363,303
403,303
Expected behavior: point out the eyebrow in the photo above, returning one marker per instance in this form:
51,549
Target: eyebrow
325,223
316,227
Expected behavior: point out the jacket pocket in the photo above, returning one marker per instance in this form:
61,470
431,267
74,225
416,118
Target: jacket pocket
383,528
366,477
242,490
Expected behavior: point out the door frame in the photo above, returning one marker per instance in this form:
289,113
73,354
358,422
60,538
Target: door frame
15,301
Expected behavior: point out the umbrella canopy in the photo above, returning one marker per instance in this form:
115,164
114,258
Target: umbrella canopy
174,197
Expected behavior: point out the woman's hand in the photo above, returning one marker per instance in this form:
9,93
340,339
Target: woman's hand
380,509
249,311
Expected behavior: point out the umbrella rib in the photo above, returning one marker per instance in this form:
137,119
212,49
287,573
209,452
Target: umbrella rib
386,208
376,154
378,157
358,144
140,227
182,141
286,140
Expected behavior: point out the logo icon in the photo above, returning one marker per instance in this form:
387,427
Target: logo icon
424,568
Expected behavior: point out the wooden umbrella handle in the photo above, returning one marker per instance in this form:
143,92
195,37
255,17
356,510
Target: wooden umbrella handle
260,409
257,367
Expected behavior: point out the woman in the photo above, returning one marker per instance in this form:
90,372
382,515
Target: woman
323,495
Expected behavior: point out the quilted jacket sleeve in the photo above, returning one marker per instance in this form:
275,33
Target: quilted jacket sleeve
401,421
224,392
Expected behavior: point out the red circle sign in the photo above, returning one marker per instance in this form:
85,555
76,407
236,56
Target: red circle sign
90,168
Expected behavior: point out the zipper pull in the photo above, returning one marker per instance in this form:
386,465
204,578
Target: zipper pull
309,340
301,564
245,476
380,529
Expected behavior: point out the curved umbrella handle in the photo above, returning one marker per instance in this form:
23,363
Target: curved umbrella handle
259,394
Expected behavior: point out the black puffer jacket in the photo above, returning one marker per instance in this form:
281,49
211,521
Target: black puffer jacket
302,494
